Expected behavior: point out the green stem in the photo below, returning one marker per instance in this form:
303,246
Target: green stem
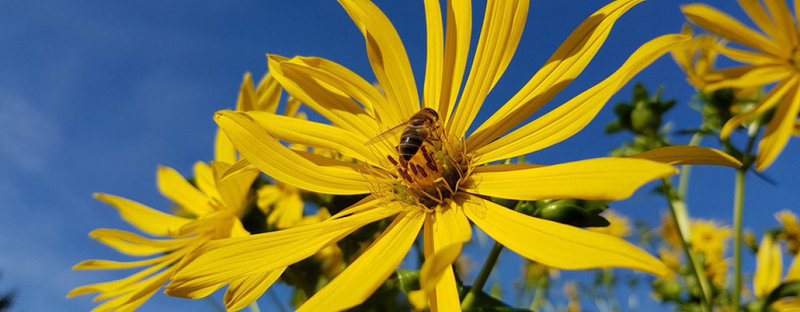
681,217
254,307
738,213
483,276
686,171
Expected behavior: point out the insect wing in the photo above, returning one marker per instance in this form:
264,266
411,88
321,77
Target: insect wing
387,134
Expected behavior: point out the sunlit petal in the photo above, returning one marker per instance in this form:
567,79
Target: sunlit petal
558,245
135,245
362,277
244,292
690,155
285,165
560,70
779,130
769,267
722,24
573,116
593,179
770,101
175,187
500,35
144,218
386,54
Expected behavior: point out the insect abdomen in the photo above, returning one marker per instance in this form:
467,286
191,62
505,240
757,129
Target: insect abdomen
410,142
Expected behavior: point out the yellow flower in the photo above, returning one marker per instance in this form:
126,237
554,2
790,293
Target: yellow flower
697,58
215,203
710,238
443,187
619,225
669,232
770,57
769,268
791,228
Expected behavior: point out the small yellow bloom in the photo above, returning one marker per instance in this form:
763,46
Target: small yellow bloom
441,187
215,205
769,268
791,228
619,225
710,238
670,232
697,58
770,57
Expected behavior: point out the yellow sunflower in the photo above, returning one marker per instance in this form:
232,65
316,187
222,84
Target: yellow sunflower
770,57
442,187
215,204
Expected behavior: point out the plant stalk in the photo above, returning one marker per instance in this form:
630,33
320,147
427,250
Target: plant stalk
483,276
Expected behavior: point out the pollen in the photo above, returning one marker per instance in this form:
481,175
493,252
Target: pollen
432,177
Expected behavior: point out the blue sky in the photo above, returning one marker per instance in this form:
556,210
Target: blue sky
95,95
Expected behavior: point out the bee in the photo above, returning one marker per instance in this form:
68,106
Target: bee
421,127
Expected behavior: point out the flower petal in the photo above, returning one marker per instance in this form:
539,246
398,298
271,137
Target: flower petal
769,267
233,183
747,76
144,218
268,95
456,52
557,245
794,270
175,187
315,134
223,148
223,261
756,12
288,211
770,101
500,35
722,24
242,293
593,179
204,179
779,130
134,245
690,155
782,15
362,277
322,97
573,116
346,82
561,69
435,55
445,234
285,165
386,54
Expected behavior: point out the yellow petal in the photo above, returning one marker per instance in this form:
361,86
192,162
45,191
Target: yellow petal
174,186
779,130
135,245
315,134
222,261
559,71
456,52
573,116
144,218
500,35
242,293
722,24
690,155
784,22
288,211
445,234
285,165
747,57
747,76
132,297
113,265
346,82
770,101
247,95
268,95
557,245
769,267
787,305
435,55
756,12
362,277
112,286
794,270
233,183
386,54
204,179
223,148
323,98
593,179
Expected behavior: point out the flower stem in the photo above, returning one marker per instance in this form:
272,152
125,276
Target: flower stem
677,206
686,171
483,276
254,307
738,212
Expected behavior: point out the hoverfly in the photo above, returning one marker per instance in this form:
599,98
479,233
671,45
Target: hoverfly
421,127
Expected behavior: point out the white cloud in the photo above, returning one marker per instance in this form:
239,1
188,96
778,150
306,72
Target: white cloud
28,136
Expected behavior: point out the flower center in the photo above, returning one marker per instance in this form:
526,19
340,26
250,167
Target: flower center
432,176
